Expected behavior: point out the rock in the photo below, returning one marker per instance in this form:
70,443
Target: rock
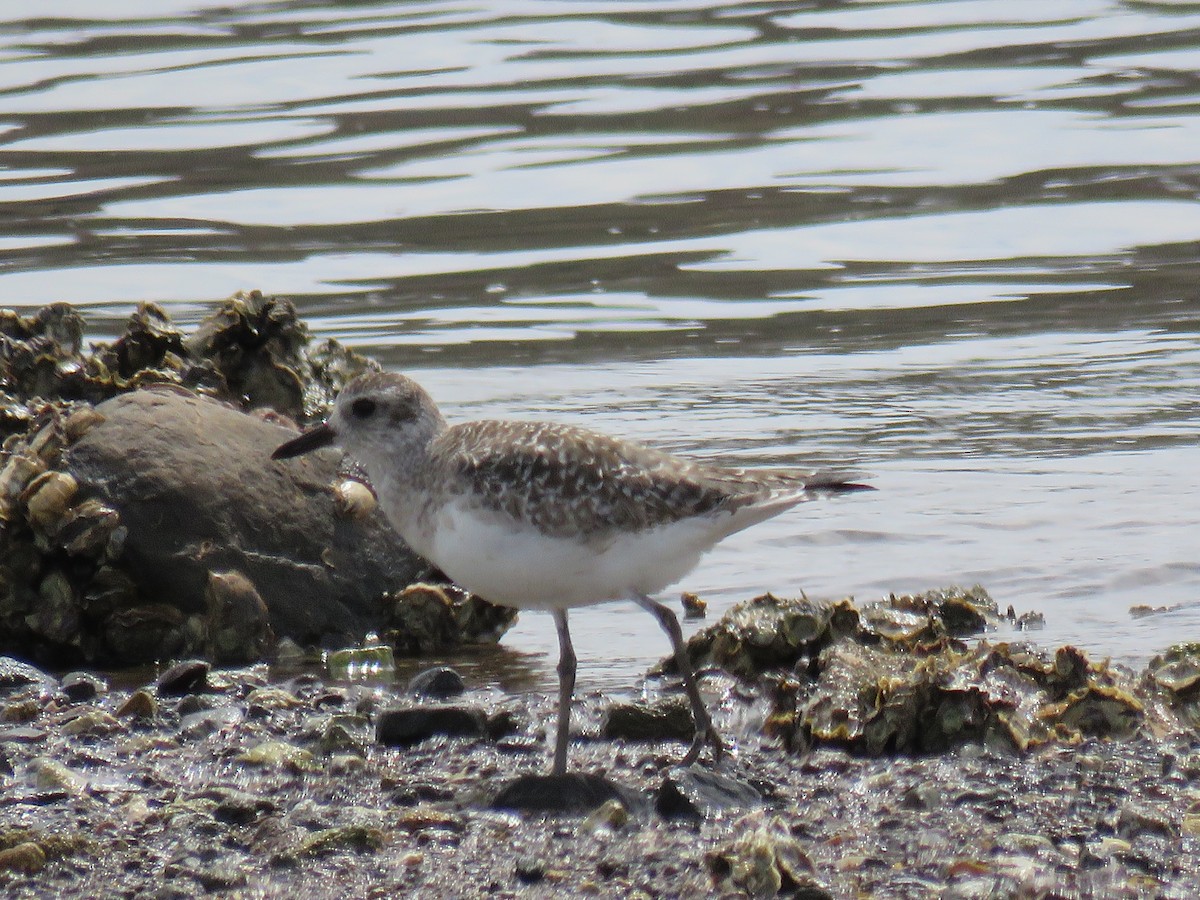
698,793
571,794
278,755
530,869
670,721
347,837
140,705
440,683
236,807
15,674
27,857
430,618
405,727
611,815
183,678
764,860
82,686
239,628
193,483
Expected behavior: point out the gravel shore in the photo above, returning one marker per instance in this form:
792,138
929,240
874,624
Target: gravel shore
228,783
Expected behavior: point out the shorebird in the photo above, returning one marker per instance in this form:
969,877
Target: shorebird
536,515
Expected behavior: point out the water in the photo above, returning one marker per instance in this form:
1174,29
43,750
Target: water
951,243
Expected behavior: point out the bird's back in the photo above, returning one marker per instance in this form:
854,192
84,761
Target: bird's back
571,482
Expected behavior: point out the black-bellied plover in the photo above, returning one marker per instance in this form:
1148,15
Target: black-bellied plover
542,516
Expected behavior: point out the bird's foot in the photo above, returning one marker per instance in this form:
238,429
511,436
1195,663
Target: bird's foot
705,737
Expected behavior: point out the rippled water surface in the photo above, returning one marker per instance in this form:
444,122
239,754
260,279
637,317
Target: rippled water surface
952,243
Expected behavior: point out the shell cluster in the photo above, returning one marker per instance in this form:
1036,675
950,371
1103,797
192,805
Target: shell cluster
253,351
67,590
60,547
428,618
896,675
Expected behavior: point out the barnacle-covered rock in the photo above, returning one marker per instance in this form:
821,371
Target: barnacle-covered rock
253,350
772,632
141,518
426,618
1173,679
238,626
764,860
895,676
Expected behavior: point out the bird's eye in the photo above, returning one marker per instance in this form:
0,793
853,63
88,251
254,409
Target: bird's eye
363,407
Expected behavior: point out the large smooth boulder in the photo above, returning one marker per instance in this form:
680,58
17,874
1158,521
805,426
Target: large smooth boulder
193,481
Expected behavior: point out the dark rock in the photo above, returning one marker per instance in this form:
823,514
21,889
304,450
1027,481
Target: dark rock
441,683
236,807
194,485
502,724
239,628
638,722
183,678
697,793
575,794
405,727
530,870
193,703
81,686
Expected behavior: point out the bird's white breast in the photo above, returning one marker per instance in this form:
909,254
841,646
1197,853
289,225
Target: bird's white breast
511,563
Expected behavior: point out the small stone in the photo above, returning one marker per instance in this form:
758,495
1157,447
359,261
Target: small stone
265,699
51,775
405,727
697,793
140,705
15,674
22,734
669,721
83,686
440,683
694,606
239,629
238,807
93,721
26,857
183,678
200,724
347,837
530,870
341,732
611,815
562,794
278,754
21,711
423,817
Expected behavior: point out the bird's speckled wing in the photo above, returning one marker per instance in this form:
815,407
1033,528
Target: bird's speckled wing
569,481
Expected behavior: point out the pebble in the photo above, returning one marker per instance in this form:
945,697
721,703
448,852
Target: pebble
573,794
27,857
140,705
183,678
408,726
82,686
698,793
440,683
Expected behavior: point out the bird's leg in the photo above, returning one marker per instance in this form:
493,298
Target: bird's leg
705,732
566,687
